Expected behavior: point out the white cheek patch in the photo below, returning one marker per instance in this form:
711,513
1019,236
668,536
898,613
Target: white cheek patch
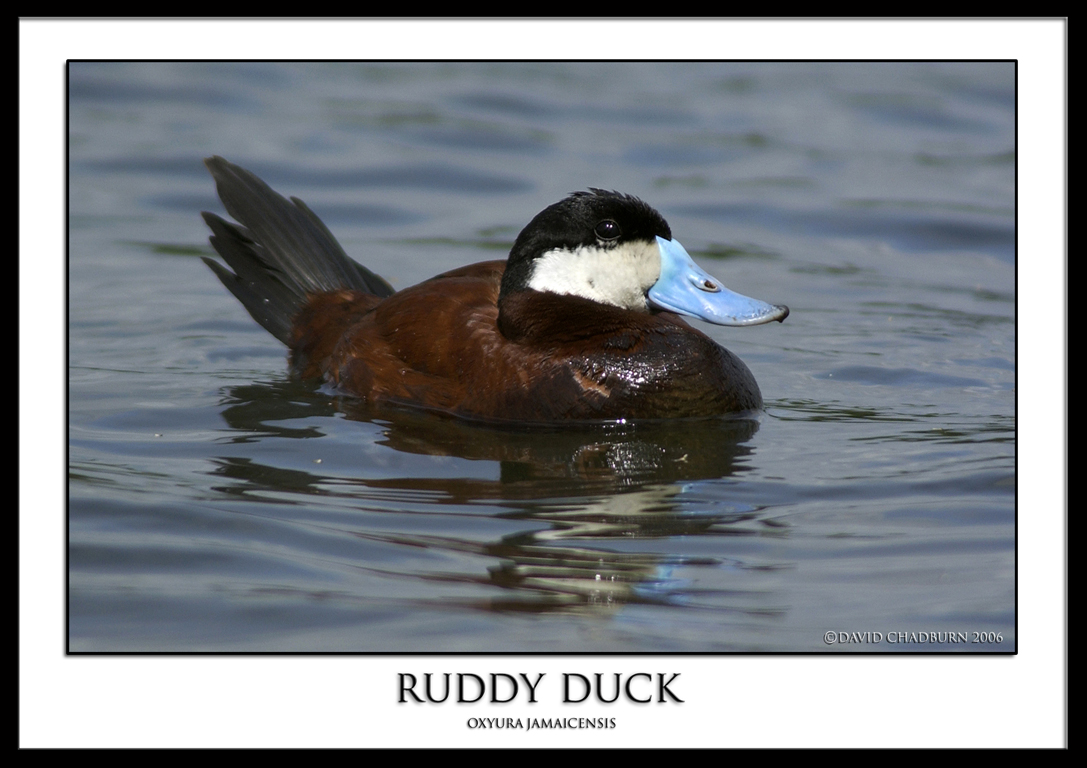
619,276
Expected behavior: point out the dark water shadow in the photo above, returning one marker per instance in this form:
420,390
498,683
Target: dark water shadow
586,494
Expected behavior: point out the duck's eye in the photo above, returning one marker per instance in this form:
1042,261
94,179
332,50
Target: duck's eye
608,230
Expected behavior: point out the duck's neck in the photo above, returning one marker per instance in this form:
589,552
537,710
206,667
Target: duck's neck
543,317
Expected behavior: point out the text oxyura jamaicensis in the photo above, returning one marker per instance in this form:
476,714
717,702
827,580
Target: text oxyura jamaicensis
581,322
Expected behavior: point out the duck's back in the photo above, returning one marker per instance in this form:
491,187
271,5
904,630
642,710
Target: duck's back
412,348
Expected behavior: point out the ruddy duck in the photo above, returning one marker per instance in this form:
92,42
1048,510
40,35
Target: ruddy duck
581,322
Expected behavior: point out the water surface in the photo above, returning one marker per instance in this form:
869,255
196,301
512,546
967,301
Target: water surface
216,505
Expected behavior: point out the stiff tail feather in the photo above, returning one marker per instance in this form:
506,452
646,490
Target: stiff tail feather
281,253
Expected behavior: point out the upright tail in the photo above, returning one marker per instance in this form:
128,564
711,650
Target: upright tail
281,255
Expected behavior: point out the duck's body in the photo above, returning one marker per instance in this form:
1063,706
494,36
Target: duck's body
550,335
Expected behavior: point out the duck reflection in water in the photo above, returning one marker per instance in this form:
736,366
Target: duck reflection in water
587,486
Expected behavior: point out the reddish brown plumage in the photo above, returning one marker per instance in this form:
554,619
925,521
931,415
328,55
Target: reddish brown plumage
438,345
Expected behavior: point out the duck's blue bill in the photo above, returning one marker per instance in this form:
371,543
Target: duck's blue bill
686,289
